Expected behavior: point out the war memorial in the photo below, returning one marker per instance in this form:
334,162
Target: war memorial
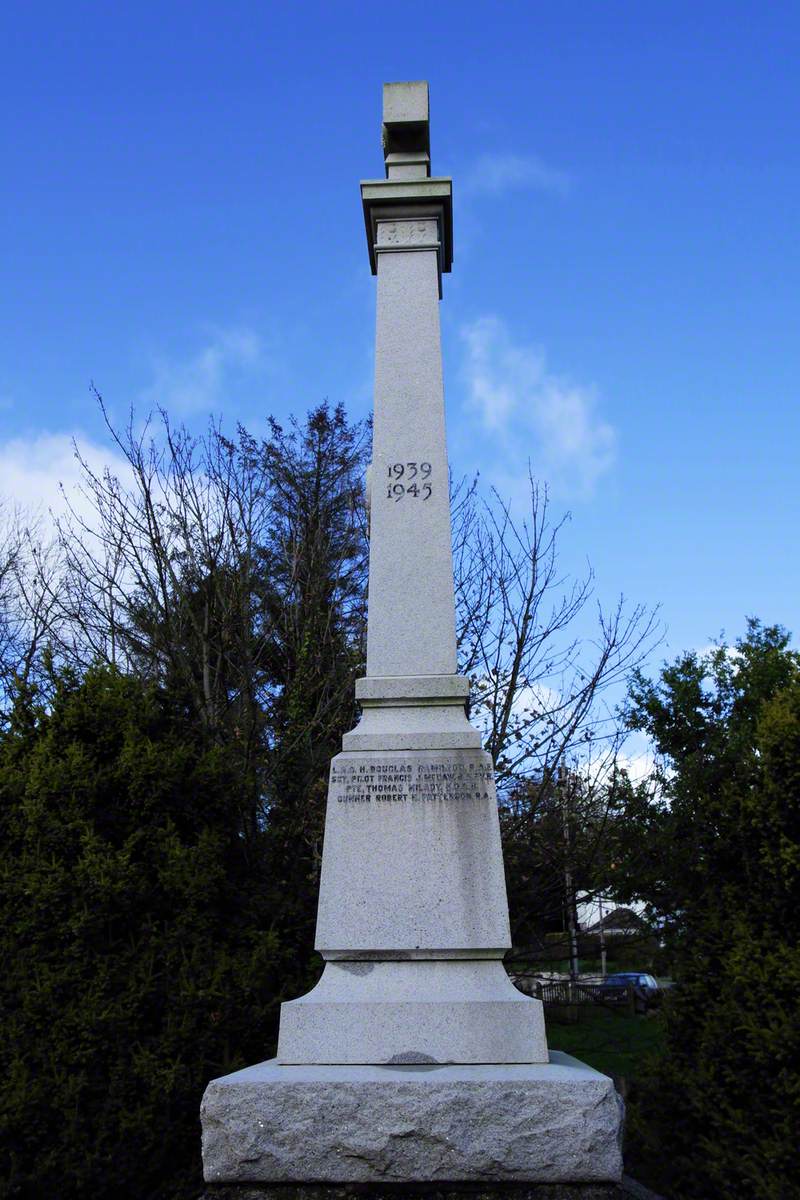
414,1064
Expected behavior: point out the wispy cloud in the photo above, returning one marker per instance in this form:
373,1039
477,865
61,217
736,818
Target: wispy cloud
533,414
37,472
637,757
33,472
731,652
492,174
198,383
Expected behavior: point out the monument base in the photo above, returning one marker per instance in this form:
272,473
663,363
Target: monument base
556,1122
440,1012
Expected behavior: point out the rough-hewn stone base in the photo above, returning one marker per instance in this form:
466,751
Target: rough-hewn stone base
558,1122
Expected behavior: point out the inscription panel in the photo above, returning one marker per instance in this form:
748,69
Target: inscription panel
410,781
412,859
407,232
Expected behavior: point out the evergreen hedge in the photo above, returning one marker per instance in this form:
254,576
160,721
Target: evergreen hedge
719,1114
138,940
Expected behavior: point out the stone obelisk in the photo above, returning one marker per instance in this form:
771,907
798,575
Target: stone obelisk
414,1058
413,917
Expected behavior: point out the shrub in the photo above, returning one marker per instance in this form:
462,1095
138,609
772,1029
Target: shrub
720,1112
139,960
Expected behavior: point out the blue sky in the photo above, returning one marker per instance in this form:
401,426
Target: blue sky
182,226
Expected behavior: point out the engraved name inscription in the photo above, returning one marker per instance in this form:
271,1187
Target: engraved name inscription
392,781
409,480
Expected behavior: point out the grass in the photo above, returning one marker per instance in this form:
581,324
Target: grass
617,1045
610,1042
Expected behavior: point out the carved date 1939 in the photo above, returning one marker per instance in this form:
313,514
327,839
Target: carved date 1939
409,479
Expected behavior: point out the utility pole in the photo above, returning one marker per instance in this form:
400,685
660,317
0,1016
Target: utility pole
563,788
602,939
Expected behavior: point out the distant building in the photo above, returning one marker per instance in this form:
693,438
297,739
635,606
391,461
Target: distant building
599,913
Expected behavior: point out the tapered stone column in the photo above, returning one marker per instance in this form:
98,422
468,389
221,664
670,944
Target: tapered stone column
414,1058
413,916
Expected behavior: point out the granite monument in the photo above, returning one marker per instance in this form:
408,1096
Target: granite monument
414,1059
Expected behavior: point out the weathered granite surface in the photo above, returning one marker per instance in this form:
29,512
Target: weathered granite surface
412,609
553,1123
412,857
413,920
415,1011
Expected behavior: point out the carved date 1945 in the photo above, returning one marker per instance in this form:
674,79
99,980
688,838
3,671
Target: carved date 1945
409,479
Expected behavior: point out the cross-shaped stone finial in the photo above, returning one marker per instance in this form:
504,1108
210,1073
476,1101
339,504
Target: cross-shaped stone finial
406,130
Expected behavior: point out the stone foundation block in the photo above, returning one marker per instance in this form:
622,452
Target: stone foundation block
556,1122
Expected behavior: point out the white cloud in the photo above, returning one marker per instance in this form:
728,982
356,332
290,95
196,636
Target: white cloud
639,766
637,756
530,701
536,698
33,470
532,414
732,653
492,174
198,384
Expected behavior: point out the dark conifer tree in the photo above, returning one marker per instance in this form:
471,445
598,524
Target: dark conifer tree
719,1114
139,951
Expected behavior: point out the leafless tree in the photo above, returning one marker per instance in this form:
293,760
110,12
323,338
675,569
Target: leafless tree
548,668
539,686
201,563
29,568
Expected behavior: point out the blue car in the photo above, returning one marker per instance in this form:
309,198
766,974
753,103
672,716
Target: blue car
646,991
